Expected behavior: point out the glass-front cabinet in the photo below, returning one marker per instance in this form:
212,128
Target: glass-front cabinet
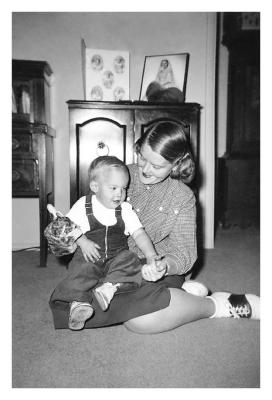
32,138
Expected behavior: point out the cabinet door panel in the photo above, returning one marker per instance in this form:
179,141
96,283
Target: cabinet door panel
21,142
96,138
25,177
94,132
144,118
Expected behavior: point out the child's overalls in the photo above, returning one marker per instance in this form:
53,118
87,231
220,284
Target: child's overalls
116,265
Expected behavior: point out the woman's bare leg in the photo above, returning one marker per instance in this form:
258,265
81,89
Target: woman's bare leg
183,308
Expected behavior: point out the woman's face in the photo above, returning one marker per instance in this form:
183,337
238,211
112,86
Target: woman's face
153,168
164,64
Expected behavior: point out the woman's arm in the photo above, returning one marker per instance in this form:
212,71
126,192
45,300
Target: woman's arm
173,234
180,247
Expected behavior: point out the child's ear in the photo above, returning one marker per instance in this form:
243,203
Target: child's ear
94,186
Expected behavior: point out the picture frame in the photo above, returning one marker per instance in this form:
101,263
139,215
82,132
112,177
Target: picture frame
168,70
105,74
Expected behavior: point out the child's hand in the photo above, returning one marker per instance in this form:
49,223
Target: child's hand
89,249
151,273
161,264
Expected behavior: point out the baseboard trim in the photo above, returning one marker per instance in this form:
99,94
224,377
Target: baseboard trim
25,246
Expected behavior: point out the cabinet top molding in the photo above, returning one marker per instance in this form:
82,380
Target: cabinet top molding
129,104
29,68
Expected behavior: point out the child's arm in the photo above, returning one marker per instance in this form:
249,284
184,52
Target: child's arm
145,244
156,266
154,269
77,214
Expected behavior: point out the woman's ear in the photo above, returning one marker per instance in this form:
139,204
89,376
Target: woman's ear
94,186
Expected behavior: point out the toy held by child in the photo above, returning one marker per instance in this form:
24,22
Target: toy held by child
61,233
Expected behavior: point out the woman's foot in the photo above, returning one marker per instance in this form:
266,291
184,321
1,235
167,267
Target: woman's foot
79,313
235,305
196,288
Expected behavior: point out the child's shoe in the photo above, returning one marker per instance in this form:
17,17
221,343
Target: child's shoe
79,313
235,305
105,293
196,288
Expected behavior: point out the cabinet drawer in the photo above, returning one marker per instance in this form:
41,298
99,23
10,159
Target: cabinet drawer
25,177
21,142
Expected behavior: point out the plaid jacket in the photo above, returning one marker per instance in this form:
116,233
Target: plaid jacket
167,210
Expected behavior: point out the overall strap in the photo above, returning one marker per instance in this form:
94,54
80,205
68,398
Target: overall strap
88,205
118,210
118,214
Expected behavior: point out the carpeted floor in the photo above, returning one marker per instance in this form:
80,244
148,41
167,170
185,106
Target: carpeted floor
217,353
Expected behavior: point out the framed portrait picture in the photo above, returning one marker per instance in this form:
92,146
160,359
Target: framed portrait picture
167,70
105,74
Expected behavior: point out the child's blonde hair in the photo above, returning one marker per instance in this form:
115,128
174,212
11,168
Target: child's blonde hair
102,162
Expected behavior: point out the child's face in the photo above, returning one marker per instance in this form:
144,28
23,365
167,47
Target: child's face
110,186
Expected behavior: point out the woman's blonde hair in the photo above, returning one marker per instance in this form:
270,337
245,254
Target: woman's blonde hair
168,139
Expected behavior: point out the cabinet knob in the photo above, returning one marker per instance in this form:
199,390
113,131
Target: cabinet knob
102,149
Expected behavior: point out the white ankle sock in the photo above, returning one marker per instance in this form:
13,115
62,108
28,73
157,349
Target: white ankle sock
215,305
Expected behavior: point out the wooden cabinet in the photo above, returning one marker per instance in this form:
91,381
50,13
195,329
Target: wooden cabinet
113,128
243,137
32,138
239,191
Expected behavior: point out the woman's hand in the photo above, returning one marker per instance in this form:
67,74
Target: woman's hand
155,270
161,263
89,249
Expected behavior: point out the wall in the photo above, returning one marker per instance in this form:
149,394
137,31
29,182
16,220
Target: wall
55,38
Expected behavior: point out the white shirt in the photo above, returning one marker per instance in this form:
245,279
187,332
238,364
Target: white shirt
106,216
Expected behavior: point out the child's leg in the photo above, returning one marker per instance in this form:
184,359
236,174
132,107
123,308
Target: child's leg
81,278
76,290
105,293
125,267
80,312
124,272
